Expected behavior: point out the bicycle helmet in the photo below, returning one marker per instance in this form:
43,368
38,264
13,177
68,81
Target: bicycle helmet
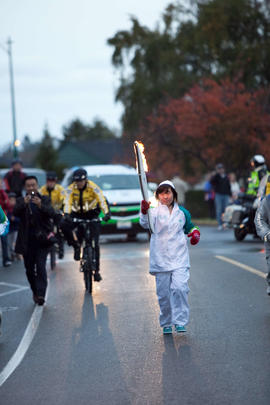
51,176
79,174
257,160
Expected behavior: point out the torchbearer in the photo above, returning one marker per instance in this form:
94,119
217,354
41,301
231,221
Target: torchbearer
169,256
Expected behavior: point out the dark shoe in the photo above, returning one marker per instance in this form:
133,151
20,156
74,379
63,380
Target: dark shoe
77,253
35,298
40,300
97,277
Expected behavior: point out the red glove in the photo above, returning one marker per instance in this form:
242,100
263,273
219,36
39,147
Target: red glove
145,206
195,236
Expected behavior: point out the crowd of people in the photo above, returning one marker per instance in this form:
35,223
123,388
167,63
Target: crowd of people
31,217
222,189
35,215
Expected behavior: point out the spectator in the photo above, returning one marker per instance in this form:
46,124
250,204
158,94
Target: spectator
13,225
4,202
34,236
14,179
235,188
209,196
221,184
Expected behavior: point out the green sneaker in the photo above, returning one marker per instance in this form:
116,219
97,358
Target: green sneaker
167,330
180,329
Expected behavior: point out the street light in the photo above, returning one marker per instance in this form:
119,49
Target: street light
8,50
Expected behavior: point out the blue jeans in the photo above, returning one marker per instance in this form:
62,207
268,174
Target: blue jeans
221,202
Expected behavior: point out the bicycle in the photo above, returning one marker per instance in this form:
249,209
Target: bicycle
57,248
88,260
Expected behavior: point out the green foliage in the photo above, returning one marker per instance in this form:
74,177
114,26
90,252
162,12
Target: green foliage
195,204
47,155
212,39
76,130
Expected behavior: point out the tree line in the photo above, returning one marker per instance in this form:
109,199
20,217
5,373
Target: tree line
195,89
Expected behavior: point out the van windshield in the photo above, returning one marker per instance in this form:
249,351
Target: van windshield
116,181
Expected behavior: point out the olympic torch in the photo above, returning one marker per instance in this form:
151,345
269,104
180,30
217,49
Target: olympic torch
142,168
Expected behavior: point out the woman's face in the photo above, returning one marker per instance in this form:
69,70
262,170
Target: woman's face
166,197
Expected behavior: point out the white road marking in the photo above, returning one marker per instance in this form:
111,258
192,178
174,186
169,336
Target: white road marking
17,288
243,266
6,309
24,344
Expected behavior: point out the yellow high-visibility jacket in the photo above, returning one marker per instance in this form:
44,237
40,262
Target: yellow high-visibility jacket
92,197
57,195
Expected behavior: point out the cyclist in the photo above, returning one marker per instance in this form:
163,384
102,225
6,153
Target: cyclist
84,200
56,194
54,191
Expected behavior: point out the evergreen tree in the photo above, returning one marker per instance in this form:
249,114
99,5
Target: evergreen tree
46,157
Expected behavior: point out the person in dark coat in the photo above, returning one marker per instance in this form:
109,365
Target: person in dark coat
15,177
34,236
222,187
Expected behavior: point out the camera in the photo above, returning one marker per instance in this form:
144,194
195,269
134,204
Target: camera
32,194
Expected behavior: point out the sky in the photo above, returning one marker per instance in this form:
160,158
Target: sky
61,62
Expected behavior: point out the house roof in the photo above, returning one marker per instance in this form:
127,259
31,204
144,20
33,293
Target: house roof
91,152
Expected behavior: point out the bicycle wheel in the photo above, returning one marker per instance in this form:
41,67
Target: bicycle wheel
87,273
87,270
53,257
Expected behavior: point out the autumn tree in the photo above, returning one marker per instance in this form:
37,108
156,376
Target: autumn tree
211,123
214,39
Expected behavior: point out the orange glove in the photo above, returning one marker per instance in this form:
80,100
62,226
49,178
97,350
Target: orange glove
145,206
195,236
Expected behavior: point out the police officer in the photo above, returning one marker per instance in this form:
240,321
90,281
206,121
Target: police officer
56,194
84,200
259,170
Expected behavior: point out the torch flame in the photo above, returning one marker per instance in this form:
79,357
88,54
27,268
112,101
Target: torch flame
141,147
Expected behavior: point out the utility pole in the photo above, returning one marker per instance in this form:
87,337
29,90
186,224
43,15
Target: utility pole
8,50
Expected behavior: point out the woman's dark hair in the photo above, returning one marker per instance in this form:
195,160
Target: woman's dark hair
166,187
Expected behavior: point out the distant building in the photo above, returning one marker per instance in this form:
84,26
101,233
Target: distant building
94,152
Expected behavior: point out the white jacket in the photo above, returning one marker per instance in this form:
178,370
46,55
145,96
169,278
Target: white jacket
168,244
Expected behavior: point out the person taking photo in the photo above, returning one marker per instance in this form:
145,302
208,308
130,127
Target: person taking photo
35,236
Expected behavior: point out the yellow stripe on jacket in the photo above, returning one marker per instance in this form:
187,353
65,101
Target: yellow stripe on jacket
92,196
57,195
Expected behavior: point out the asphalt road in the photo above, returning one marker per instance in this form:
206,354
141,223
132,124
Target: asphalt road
109,348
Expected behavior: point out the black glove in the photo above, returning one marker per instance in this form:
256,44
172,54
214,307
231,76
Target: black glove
106,217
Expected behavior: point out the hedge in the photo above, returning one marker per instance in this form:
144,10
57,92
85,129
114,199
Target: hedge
196,204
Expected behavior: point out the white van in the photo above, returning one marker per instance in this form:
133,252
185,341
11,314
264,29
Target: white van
120,186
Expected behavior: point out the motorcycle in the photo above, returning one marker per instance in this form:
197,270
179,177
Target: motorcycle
240,216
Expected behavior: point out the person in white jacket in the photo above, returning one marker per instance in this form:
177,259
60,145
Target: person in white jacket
262,223
169,256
